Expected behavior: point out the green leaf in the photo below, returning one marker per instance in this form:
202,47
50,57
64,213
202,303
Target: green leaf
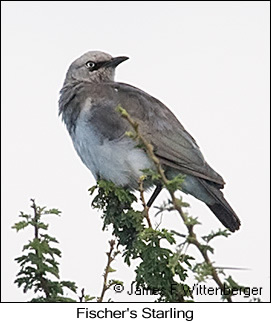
112,282
23,215
202,271
209,237
53,211
111,270
92,189
173,262
55,251
20,225
152,174
176,183
186,259
181,203
68,284
48,238
40,246
53,270
89,298
191,221
21,260
206,248
42,225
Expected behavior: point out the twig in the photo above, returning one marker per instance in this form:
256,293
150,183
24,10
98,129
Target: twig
142,198
192,238
110,258
43,281
81,298
36,219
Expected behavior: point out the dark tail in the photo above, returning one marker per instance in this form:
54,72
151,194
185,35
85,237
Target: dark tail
229,219
221,208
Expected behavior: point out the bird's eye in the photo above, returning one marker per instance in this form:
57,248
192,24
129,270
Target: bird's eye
91,65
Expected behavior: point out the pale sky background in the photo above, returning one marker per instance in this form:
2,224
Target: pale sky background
207,61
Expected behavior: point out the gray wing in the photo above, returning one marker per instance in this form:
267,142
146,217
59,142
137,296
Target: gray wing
174,146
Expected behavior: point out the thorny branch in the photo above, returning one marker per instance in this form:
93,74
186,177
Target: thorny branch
192,238
43,282
107,270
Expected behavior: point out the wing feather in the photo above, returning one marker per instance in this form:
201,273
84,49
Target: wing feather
174,146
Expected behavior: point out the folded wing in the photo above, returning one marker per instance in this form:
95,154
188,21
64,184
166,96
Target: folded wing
172,143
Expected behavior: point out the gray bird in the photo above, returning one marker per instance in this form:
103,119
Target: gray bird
88,102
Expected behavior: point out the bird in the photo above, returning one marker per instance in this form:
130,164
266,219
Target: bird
87,105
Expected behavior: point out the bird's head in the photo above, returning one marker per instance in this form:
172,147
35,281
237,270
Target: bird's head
94,66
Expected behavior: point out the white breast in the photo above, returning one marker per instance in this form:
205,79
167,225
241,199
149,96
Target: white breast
116,160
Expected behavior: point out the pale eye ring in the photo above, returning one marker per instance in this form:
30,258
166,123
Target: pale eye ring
90,65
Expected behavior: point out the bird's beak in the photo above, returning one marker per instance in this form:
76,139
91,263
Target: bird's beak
115,61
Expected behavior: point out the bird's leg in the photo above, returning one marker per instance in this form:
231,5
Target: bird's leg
155,194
